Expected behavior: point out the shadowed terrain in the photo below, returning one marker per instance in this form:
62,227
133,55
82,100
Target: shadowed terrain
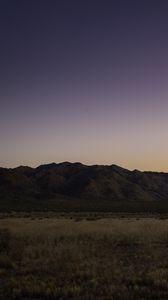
74,187
58,258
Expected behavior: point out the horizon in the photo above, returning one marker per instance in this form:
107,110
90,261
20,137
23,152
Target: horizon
81,163
84,81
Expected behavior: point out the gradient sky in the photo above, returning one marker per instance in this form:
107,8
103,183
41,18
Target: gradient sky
84,80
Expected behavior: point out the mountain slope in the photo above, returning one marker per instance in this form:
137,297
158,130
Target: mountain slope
70,185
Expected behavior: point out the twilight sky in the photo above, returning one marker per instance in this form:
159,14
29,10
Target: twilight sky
84,80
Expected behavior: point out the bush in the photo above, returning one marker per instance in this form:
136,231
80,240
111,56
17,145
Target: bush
4,240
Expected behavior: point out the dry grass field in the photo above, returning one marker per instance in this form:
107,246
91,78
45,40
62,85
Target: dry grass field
83,258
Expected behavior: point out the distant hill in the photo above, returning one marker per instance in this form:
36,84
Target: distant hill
77,187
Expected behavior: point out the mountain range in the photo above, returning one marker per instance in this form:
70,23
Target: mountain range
76,187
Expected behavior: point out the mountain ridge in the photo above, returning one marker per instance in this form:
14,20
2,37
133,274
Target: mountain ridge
58,183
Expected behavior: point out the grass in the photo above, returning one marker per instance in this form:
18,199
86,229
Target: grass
83,258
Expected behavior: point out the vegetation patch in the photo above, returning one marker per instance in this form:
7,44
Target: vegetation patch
102,259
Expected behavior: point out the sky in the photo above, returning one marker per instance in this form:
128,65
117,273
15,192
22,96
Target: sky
84,81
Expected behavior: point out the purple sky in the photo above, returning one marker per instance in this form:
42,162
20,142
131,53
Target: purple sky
84,81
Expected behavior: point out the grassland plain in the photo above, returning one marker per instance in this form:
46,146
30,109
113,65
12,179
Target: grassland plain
83,258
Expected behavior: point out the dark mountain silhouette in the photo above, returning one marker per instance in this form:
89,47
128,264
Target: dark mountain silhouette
74,186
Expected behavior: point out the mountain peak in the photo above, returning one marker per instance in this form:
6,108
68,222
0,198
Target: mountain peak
85,184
